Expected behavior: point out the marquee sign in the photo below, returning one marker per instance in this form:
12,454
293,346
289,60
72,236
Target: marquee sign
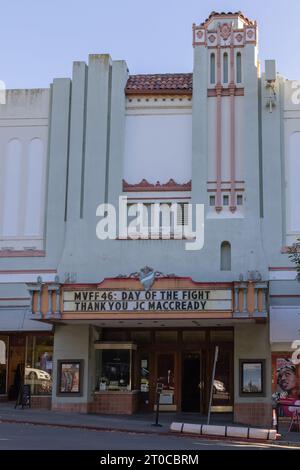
174,300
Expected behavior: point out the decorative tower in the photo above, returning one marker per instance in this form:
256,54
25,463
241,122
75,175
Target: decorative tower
226,91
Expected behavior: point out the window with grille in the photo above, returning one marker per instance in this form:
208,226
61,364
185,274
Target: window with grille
182,213
158,217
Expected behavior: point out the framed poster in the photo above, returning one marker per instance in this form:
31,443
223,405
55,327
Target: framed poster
285,382
69,377
252,374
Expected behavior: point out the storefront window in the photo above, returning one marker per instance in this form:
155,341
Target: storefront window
3,363
165,376
222,387
113,369
38,364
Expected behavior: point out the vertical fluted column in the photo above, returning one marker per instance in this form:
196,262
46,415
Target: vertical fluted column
219,129
236,299
256,293
245,298
50,292
232,128
39,294
57,313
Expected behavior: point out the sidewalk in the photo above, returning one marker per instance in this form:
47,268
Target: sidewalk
138,423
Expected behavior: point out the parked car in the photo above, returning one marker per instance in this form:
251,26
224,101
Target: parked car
36,374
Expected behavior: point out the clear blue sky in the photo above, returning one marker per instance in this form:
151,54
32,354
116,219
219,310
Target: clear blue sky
41,38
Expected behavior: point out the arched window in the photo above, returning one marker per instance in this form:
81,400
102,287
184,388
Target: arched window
212,68
225,68
225,256
239,68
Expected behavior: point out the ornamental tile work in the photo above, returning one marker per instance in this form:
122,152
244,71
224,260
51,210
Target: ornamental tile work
181,83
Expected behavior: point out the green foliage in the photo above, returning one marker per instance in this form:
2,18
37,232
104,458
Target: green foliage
294,256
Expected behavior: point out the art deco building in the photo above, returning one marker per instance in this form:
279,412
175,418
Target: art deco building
94,324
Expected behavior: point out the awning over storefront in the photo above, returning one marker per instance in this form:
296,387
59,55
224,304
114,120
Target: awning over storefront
18,320
284,325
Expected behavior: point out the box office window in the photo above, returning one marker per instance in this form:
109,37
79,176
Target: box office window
3,363
114,367
39,364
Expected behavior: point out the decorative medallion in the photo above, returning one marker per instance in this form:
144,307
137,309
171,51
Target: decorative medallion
211,38
250,33
199,34
147,276
225,31
239,37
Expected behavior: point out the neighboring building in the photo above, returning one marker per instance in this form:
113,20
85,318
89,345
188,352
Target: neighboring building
220,136
23,182
281,227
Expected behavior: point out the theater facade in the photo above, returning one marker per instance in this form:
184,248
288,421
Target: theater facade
121,339
102,315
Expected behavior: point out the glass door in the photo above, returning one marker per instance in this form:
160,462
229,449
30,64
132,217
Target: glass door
191,382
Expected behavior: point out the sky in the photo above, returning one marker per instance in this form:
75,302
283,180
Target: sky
41,38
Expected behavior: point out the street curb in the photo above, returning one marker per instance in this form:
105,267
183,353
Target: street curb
288,443
80,426
136,431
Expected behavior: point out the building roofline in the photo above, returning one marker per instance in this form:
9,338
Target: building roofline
215,15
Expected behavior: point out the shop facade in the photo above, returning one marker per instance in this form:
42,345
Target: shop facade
26,357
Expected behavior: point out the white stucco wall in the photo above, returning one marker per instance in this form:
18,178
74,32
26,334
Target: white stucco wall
292,158
158,146
72,342
293,172
252,342
23,164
